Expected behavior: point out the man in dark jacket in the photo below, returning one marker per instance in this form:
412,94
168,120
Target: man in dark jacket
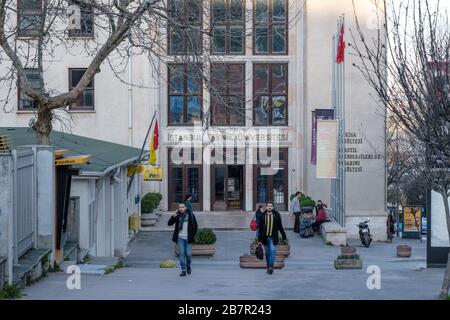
269,228
184,235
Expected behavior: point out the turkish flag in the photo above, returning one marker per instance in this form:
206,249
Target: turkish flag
156,137
341,47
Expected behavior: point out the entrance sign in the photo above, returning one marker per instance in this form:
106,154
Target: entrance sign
327,135
412,222
318,114
153,174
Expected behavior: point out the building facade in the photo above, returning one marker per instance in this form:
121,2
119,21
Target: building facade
270,66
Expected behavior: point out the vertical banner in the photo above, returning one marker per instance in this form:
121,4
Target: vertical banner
327,137
318,114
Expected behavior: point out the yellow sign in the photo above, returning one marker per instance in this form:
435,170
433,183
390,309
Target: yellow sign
327,132
131,169
153,174
69,161
412,217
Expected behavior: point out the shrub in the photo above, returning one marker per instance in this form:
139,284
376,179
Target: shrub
305,201
150,202
205,237
10,292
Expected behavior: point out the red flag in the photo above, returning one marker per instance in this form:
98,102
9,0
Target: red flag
156,137
341,47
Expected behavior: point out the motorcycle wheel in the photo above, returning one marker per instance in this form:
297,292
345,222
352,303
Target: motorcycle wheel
366,240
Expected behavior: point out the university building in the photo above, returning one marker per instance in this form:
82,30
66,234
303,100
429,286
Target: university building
273,61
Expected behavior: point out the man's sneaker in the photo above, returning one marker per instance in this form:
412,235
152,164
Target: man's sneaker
189,270
183,274
270,270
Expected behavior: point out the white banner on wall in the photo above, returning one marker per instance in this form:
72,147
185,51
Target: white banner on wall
327,134
439,233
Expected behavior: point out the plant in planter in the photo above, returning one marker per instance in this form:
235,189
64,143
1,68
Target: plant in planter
307,204
348,260
204,244
148,204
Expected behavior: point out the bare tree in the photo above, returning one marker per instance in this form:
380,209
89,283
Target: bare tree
166,31
409,71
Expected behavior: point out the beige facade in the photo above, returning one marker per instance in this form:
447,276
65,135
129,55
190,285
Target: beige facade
122,113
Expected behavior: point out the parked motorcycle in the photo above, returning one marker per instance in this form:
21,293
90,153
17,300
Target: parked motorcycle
364,233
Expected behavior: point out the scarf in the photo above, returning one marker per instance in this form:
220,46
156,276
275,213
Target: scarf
269,224
182,219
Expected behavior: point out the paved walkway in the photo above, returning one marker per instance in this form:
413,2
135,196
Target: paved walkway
309,274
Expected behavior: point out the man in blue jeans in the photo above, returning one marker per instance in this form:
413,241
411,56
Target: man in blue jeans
269,228
184,235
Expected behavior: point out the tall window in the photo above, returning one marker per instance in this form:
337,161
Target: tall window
270,20
185,94
35,82
85,22
270,89
228,27
228,94
86,100
185,24
29,17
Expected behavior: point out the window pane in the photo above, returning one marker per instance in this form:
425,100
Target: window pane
237,83
279,188
193,11
237,40
262,192
193,109
279,78
279,110
261,79
87,21
237,114
29,22
219,11
262,10
194,184
176,10
219,40
262,110
177,79
176,42
219,175
88,98
237,10
193,41
218,81
219,115
177,185
278,39
194,79
76,77
261,39
279,10
176,110
31,4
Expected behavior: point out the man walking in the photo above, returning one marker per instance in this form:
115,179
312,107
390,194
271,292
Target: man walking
296,210
270,226
184,235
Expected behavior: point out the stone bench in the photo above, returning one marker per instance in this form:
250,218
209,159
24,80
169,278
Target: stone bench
332,232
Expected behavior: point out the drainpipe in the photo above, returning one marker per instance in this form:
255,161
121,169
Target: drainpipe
130,98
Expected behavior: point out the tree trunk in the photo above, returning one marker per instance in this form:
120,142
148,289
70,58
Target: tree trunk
445,282
43,126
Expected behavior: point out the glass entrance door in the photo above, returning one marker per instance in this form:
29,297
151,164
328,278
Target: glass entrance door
227,188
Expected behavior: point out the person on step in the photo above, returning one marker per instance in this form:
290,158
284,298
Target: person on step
258,216
184,235
269,228
321,216
296,210
188,203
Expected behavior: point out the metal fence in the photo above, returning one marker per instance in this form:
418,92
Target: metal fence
25,201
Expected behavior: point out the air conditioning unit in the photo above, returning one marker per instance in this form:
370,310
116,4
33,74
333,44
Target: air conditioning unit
74,17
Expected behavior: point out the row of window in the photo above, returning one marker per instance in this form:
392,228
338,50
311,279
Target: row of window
270,25
227,91
185,93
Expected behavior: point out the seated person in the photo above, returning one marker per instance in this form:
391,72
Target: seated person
321,216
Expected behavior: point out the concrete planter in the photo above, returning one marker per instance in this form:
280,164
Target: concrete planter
284,250
199,250
149,216
404,251
252,262
348,264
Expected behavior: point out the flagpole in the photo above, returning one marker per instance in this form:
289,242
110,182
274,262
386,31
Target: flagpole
141,153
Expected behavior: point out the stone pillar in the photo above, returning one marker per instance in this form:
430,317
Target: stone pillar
6,212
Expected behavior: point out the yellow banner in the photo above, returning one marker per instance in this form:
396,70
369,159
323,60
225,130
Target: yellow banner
139,169
327,132
412,217
153,174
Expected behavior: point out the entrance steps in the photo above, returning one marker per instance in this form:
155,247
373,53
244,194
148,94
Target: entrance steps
31,267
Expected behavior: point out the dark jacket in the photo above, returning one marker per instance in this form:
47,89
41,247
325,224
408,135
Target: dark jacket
188,206
192,227
277,228
258,216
